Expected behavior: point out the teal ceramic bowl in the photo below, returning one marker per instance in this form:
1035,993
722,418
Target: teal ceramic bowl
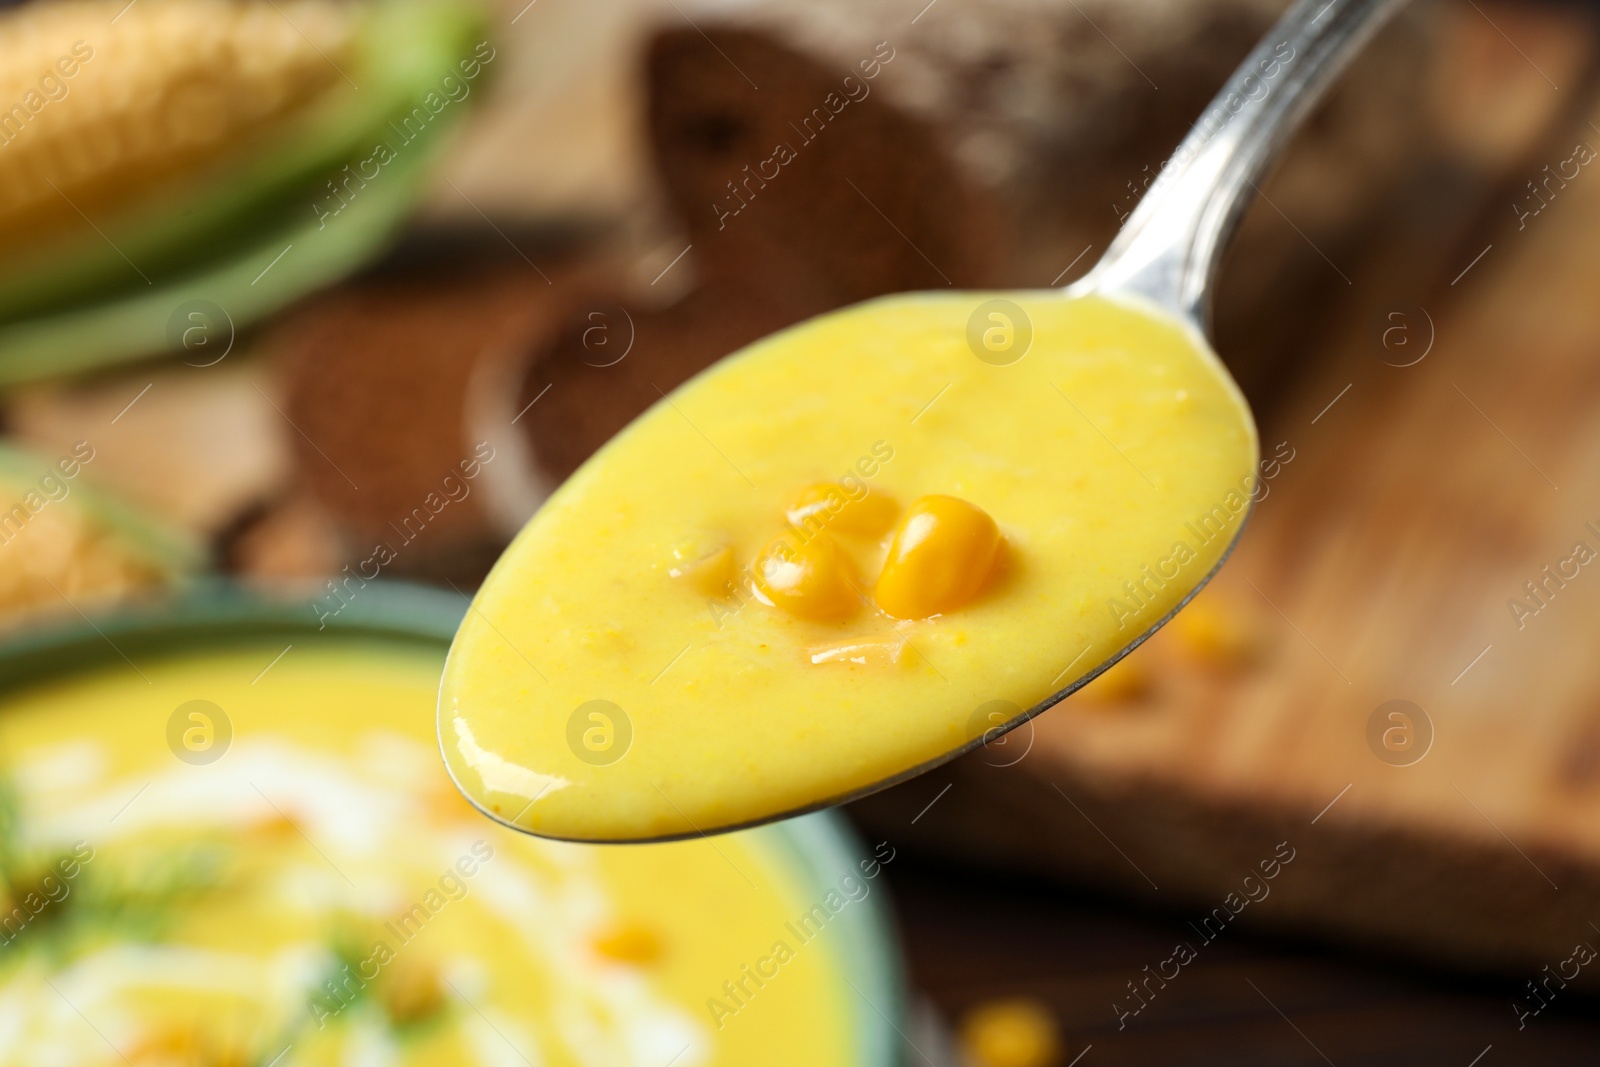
817,849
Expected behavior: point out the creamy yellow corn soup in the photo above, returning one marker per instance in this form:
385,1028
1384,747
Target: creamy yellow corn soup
812,568
228,858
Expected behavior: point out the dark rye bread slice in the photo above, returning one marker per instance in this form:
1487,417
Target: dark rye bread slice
791,190
381,378
802,241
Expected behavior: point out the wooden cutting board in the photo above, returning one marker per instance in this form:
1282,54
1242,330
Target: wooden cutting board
1385,564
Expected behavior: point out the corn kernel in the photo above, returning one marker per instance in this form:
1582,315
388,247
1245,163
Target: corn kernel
828,506
814,580
279,827
628,943
1011,1033
412,992
942,554
186,1043
1121,683
707,566
1217,633
179,1043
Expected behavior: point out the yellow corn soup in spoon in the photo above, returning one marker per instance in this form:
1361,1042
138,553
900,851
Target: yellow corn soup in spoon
322,895
807,572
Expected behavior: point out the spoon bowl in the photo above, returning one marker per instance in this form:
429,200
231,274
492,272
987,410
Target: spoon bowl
1094,424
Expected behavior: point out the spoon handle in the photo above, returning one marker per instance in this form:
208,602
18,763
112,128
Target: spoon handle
1167,250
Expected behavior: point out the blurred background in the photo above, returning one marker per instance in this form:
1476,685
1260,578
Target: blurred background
253,311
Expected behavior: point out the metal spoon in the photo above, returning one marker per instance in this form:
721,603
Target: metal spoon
1167,252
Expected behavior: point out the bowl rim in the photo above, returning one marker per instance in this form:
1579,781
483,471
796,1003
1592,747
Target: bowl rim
816,850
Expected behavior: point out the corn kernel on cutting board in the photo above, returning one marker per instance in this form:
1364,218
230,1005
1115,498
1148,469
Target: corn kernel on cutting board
1395,678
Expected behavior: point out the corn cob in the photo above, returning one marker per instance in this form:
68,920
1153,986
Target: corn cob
65,544
100,100
63,560
187,144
